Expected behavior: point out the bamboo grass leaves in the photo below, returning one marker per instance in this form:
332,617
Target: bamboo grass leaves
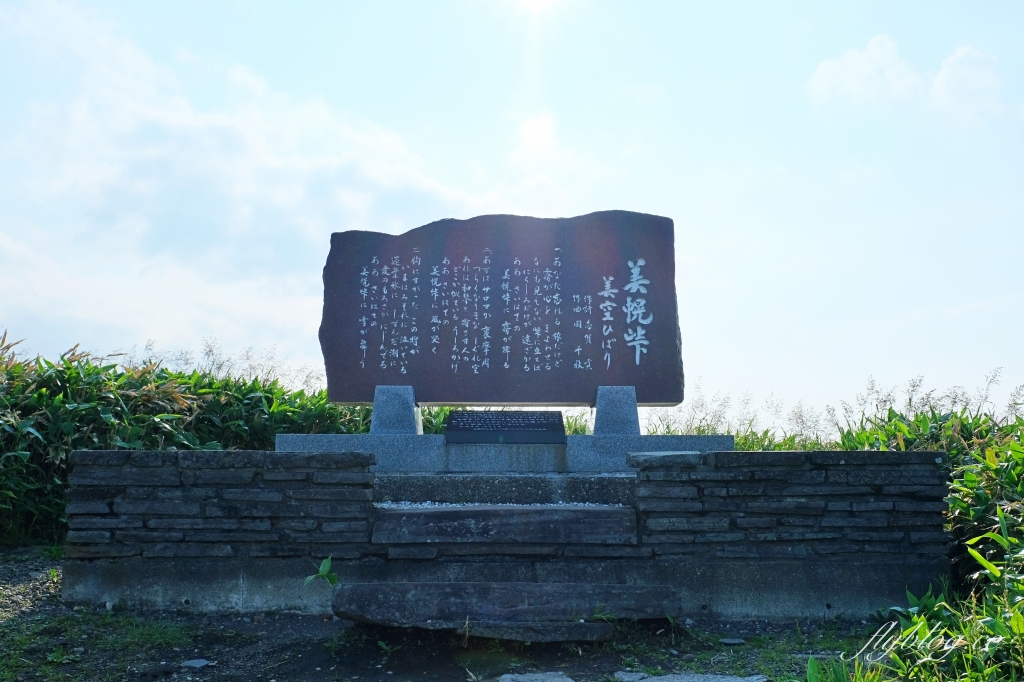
79,402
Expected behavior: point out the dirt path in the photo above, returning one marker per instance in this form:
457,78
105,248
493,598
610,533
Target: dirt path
41,639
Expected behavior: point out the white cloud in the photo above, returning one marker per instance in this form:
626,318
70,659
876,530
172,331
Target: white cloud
966,87
125,189
865,77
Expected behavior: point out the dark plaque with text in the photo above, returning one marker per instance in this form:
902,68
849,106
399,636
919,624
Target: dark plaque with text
509,427
505,309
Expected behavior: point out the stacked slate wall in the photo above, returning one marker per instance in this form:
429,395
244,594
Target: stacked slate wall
795,504
237,504
731,534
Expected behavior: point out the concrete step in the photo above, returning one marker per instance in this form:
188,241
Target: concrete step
532,611
534,524
615,488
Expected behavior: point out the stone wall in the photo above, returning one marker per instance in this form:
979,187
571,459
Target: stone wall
724,534
793,504
237,504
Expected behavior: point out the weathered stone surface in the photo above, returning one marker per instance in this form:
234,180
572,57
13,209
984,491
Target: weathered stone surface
412,552
179,549
413,604
695,677
127,475
99,457
458,283
691,524
486,523
675,491
103,522
158,508
615,488
535,677
646,460
88,536
87,507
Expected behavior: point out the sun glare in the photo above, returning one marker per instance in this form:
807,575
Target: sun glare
536,7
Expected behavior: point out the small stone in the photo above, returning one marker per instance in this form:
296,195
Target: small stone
688,658
732,641
109,606
623,676
78,649
157,671
688,622
673,652
196,664
535,677
35,575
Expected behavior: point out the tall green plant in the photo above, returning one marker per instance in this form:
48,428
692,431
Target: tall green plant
48,409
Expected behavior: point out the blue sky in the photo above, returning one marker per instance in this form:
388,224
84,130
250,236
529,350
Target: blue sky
845,178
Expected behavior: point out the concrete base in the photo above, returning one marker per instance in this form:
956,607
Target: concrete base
204,585
430,454
722,588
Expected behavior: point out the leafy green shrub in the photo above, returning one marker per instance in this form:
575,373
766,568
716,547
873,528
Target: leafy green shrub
48,409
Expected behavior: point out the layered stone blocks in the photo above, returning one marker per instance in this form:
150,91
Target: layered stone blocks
793,504
244,504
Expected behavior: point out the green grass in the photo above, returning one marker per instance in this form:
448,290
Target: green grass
46,645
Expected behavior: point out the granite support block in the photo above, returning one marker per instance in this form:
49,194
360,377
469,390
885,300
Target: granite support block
394,411
429,453
608,453
392,453
616,413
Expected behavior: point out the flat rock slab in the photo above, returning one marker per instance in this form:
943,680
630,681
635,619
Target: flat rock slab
610,489
556,524
633,677
649,460
529,632
439,605
535,677
686,677
505,309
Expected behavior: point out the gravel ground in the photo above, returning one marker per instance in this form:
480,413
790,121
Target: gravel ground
41,639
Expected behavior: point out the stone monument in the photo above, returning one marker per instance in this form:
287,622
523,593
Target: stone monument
504,310
533,536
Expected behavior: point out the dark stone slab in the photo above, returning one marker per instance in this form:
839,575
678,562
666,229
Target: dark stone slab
505,309
555,524
506,488
754,588
650,460
419,604
498,426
